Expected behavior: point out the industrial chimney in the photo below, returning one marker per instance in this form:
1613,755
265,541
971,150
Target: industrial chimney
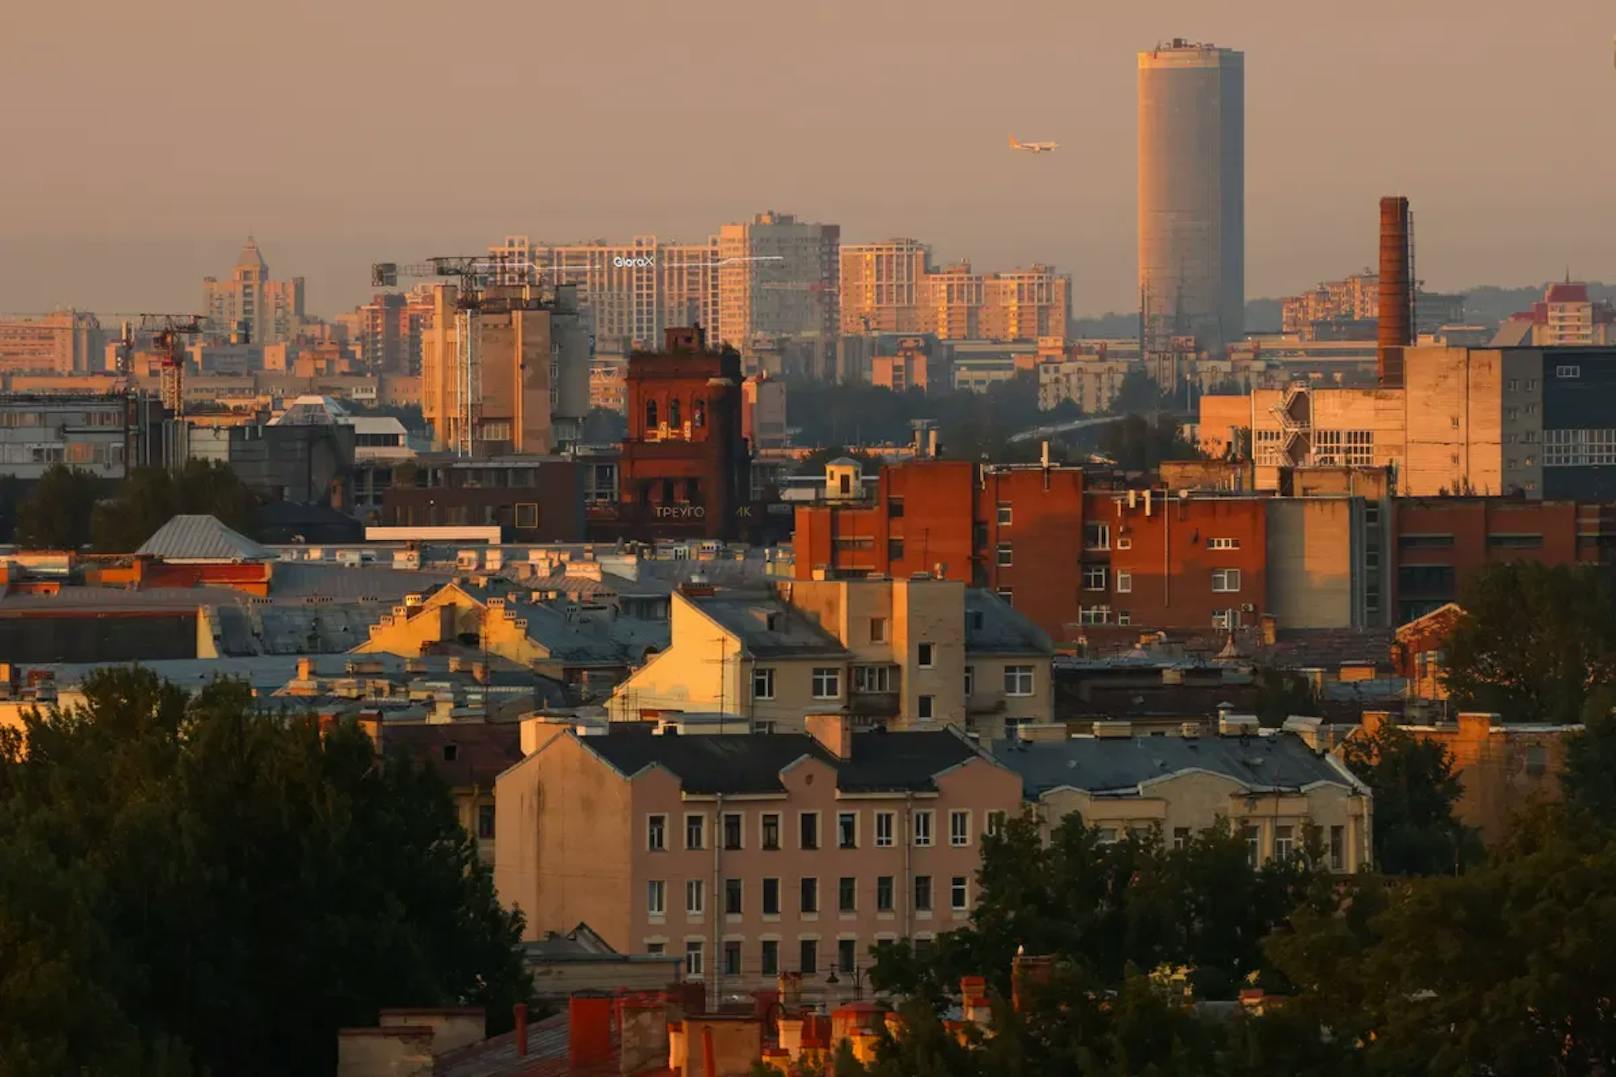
1396,292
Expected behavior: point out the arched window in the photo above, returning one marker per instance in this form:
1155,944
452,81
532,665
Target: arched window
650,414
673,413
700,416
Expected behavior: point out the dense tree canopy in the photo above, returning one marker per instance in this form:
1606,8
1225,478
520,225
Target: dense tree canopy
1415,790
191,885
1534,642
56,516
1138,444
70,508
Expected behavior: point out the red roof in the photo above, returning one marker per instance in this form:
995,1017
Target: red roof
1567,293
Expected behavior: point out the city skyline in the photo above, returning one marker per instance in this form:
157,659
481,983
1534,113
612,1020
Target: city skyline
1497,137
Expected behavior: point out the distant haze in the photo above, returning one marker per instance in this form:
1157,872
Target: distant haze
143,141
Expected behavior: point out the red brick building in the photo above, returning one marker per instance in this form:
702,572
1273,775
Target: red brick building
684,466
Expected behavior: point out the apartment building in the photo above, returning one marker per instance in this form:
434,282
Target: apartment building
1565,317
634,290
893,653
778,280
249,304
1274,788
62,342
98,434
882,285
749,855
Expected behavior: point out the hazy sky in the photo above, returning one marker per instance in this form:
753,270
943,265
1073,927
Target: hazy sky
143,140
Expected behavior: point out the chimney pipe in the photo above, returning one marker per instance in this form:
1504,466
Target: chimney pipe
520,1009
1396,292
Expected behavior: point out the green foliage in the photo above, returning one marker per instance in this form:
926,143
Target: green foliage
1138,393
1280,694
1534,642
1415,790
12,496
192,885
151,496
56,516
1589,779
1137,444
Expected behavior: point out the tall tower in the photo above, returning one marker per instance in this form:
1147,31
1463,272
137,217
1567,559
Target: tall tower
1192,193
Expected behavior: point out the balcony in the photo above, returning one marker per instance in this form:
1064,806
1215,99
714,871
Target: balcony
873,704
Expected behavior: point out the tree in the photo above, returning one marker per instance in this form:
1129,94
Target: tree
1137,444
1415,790
151,496
56,516
1139,394
1534,642
1588,781
1280,694
225,886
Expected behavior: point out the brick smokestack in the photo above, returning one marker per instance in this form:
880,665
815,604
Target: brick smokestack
1396,292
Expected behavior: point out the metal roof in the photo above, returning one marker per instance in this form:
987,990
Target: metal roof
201,538
1124,764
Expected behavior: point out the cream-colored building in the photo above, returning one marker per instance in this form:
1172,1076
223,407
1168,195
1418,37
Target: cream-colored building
269,311
1021,304
1092,382
882,284
906,654
62,342
1275,788
748,855
778,278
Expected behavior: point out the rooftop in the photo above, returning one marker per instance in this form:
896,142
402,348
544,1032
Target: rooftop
766,625
201,538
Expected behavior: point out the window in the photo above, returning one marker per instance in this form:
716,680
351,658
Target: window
996,820
923,893
1124,542
957,894
771,957
1514,385
847,830
1515,542
1338,847
771,830
883,893
1181,837
656,948
959,827
771,897
1226,619
1223,544
923,945
732,830
695,826
872,678
1096,536
808,895
1125,583
1108,835
895,549
1093,577
1124,617
1094,615
693,958
827,682
1424,542
970,681
656,897
656,833
846,953
1006,555
1253,844
894,507
1537,760
1568,371
878,629
808,830
808,956
485,822
847,894
924,655
1007,594
762,682
923,708
1284,846
732,897
732,957
1225,579
922,825
1018,680
1579,448
695,897
883,829
1006,513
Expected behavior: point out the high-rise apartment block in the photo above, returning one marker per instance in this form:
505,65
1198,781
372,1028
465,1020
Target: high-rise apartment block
632,290
249,304
509,376
1565,317
778,278
1349,308
891,287
1192,178
389,329
63,342
881,286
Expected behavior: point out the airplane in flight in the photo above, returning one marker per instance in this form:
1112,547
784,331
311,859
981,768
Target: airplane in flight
1032,147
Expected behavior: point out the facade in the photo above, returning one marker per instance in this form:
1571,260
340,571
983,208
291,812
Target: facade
528,387
1192,178
898,653
882,285
529,498
778,279
1565,317
388,330
468,756
1275,789
916,363
749,855
1349,309
249,304
1091,382
635,291
308,463
763,412
62,342
98,434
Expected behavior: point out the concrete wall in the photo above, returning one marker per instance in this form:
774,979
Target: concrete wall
1312,561
384,1052
452,1026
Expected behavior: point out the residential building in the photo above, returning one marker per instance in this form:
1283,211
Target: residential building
529,498
749,855
899,653
883,286
62,342
526,386
763,412
388,330
468,756
958,303
915,363
308,462
1565,317
249,305
99,434
1192,197
1284,796
1091,381
1349,309
778,282
634,291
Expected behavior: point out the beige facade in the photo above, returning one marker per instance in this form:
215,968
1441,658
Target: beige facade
1089,381
1021,304
881,286
1317,576
269,311
902,653
62,342
749,855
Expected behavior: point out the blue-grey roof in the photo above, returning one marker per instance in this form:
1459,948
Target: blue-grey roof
291,580
201,538
993,627
747,614
1122,764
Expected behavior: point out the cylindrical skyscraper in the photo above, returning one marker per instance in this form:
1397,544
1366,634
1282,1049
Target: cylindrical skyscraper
1192,194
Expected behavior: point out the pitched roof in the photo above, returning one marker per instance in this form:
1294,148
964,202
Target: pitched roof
767,626
480,750
993,627
739,763
201,538
1123,764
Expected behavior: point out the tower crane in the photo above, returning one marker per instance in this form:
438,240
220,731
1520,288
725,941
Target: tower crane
167,332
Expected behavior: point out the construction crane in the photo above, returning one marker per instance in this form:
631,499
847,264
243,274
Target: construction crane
167,332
